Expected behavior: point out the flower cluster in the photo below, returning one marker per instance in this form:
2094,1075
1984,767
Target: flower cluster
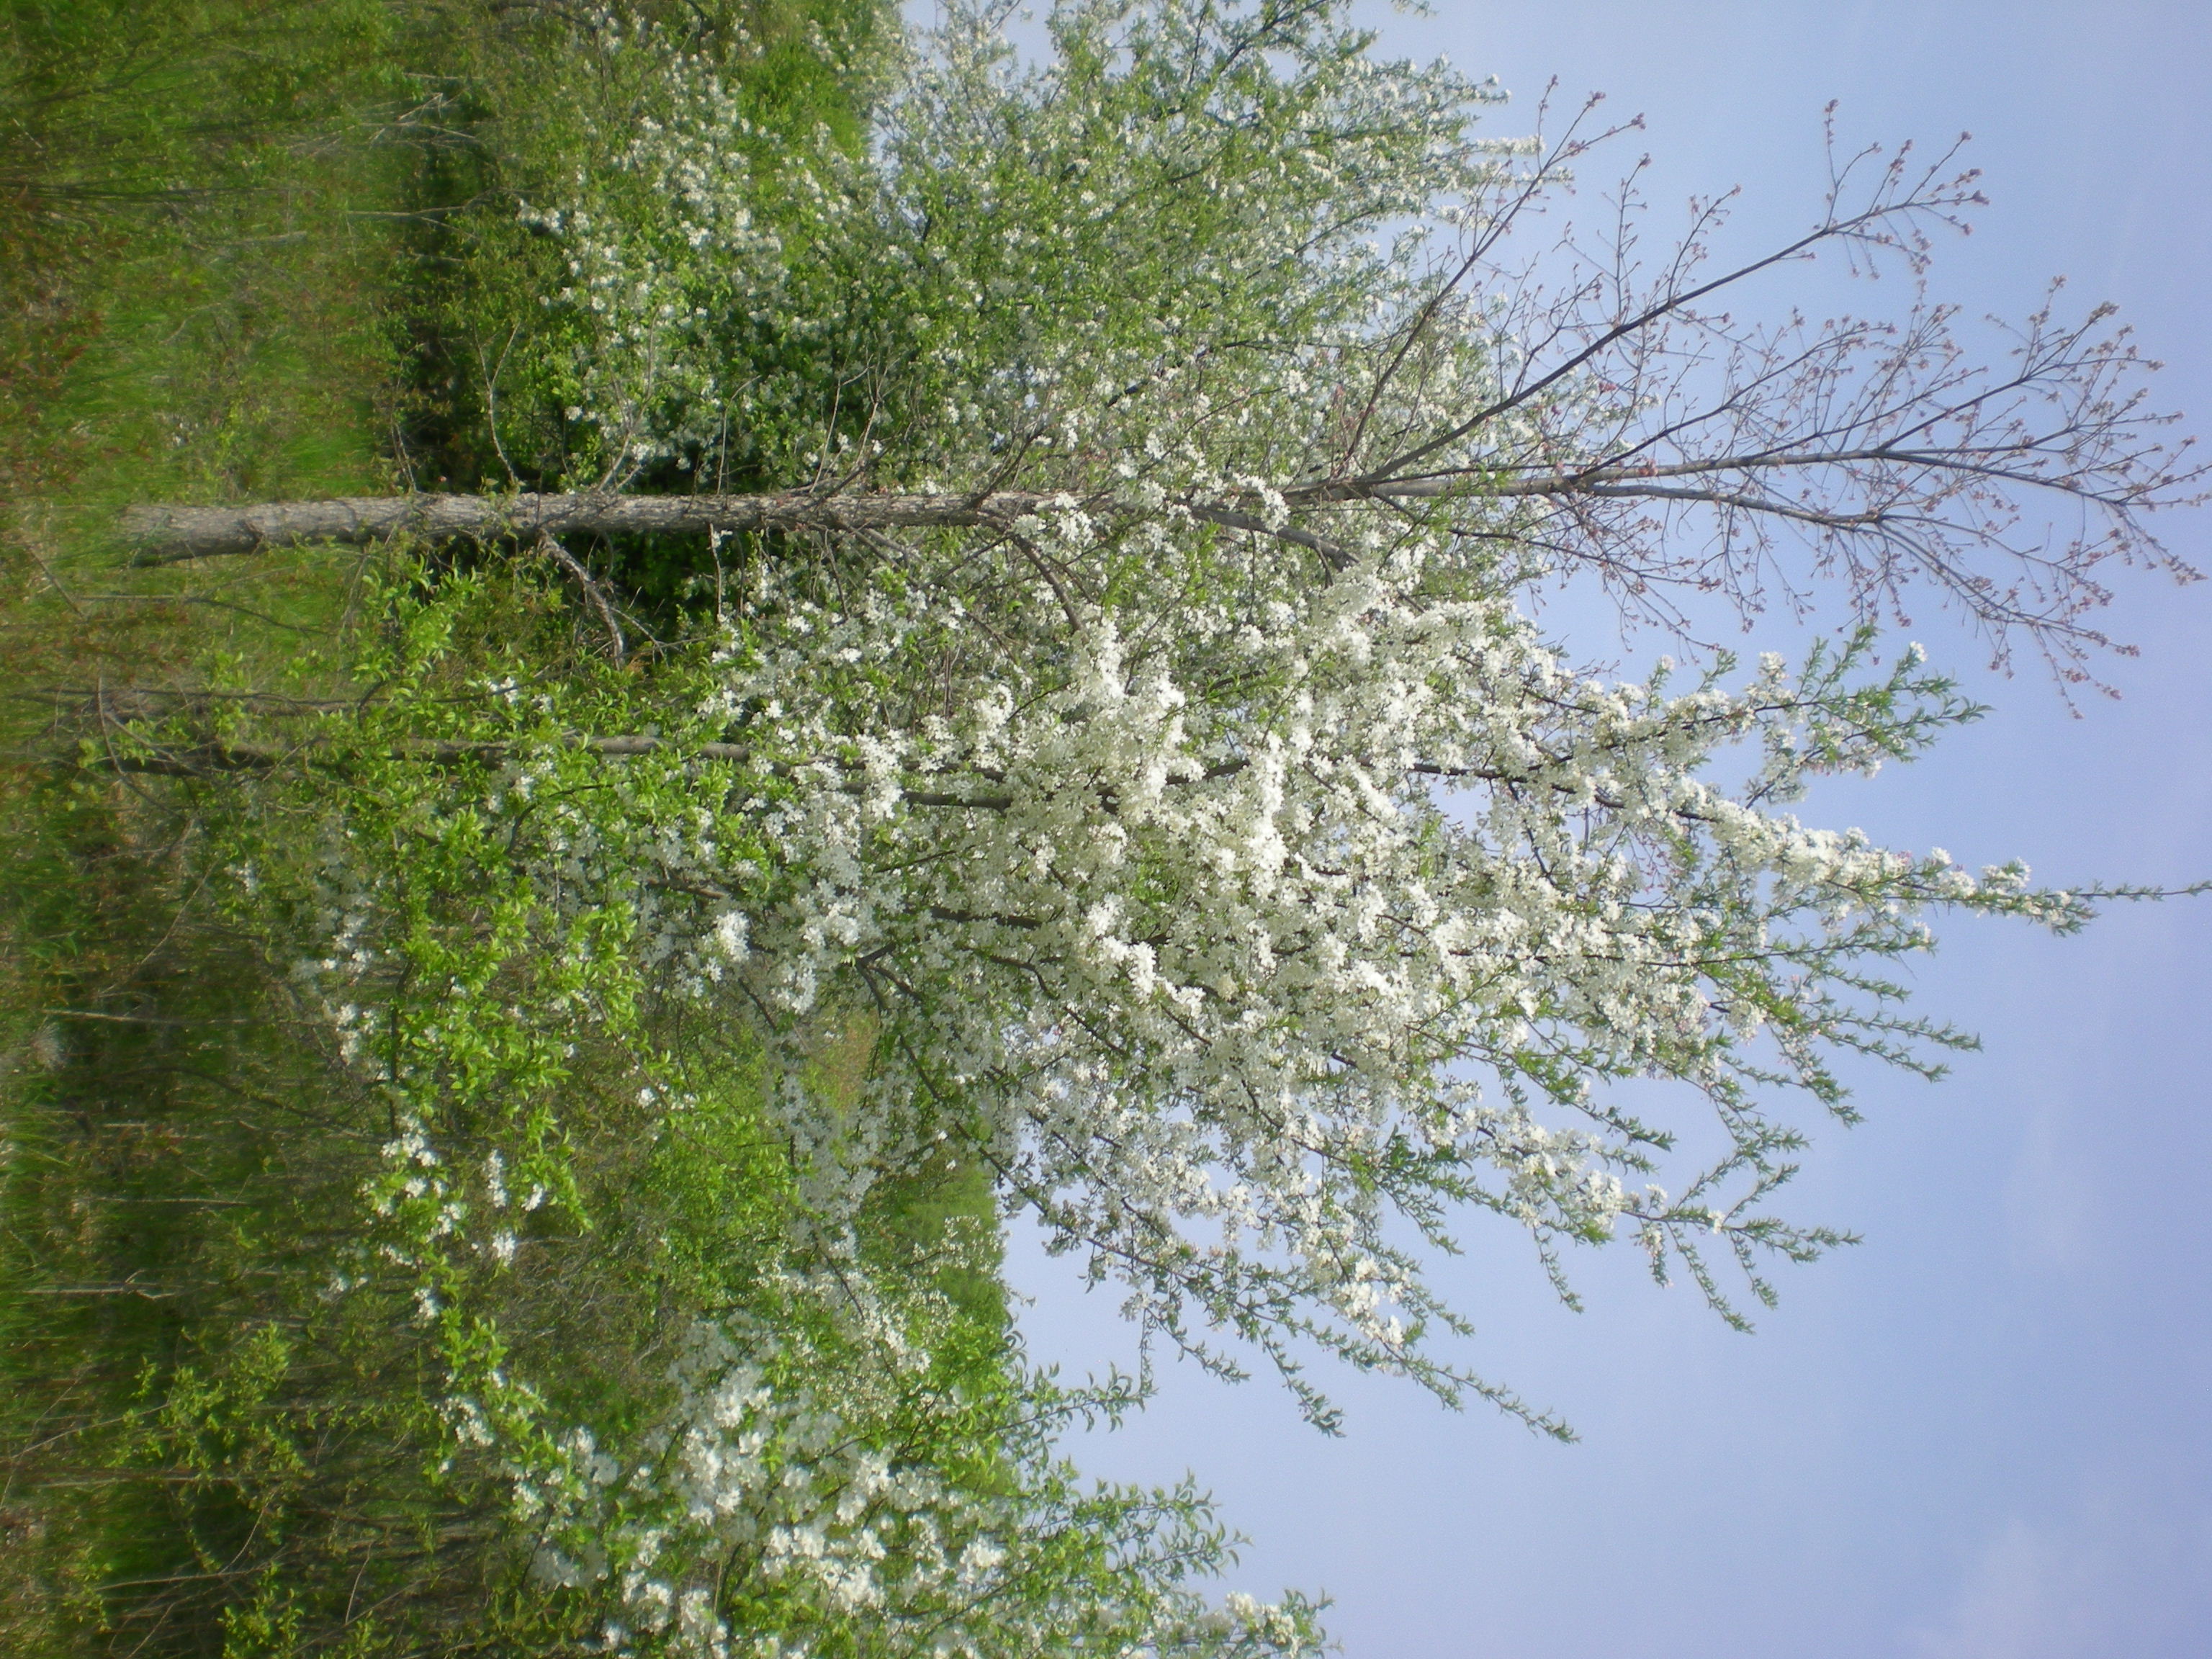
1247,918
820,1460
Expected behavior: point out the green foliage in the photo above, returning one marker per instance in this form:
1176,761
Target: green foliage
515,1211
552,106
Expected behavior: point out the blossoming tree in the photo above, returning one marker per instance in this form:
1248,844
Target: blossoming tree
1106,693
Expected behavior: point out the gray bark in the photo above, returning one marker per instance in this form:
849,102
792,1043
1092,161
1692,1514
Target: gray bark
171,535
168,535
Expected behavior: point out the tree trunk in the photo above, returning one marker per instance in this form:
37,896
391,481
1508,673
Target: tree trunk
168,535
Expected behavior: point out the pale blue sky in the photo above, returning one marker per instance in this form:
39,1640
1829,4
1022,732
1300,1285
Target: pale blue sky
1986,1434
